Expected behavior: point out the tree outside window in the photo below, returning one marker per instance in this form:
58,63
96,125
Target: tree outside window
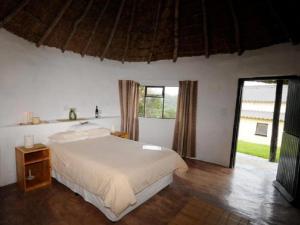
158,102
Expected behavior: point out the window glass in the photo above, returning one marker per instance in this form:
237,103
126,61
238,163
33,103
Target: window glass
153,107
158,102
170,106
155,91
261,129
141,101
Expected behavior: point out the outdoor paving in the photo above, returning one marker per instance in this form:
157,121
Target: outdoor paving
254,163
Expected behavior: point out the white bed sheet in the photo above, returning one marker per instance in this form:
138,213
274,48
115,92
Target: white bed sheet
112,168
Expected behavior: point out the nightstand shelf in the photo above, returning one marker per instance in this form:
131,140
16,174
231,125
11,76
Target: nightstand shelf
35,184
37,161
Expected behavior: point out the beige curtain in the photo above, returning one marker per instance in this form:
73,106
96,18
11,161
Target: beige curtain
129,102
184,140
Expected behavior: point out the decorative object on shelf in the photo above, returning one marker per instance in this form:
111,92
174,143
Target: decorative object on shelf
96,112
36,120
28,141
72,114
113,128
30,176
27,118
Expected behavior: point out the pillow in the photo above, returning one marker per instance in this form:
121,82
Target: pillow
68,136
98,132
84,126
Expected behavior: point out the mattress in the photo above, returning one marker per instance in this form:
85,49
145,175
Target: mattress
114,169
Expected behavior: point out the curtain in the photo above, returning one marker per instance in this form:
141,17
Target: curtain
184,140
129,102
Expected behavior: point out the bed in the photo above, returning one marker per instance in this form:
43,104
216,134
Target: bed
114,174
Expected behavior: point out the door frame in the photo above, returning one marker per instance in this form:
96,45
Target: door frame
238,106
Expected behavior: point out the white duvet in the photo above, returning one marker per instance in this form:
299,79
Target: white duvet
113,168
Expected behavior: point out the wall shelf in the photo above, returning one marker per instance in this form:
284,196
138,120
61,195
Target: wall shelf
56,121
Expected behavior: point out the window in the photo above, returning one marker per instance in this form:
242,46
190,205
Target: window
261,129
158,102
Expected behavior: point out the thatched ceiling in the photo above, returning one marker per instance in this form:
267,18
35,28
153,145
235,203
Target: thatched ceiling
148,30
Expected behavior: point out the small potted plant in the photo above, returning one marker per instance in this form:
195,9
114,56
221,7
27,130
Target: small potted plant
72,114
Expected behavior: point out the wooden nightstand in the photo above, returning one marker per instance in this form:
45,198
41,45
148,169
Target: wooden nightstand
36,160
120,134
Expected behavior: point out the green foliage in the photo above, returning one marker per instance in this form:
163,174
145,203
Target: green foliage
254,149
170,113
141,101
152,107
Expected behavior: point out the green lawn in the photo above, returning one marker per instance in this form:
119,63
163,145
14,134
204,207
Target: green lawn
259,150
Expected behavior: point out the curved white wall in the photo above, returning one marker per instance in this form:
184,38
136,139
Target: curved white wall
46,81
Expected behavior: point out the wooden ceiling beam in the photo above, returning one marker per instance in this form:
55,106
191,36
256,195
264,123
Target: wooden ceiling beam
54,23
129,31
95,28
156,23
13,13
280,21
176,30
236,27
205,29
113,31
76,23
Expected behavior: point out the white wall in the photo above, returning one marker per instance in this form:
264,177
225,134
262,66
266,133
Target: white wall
248,127
262,106
157,131
46,81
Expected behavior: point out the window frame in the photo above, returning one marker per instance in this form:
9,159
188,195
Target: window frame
162,97
259,134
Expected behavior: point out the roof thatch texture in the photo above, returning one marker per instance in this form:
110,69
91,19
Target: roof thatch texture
149,30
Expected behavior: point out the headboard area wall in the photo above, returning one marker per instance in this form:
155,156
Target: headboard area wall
12,136
48,83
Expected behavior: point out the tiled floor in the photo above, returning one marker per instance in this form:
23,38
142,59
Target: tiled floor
246,190
253,163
